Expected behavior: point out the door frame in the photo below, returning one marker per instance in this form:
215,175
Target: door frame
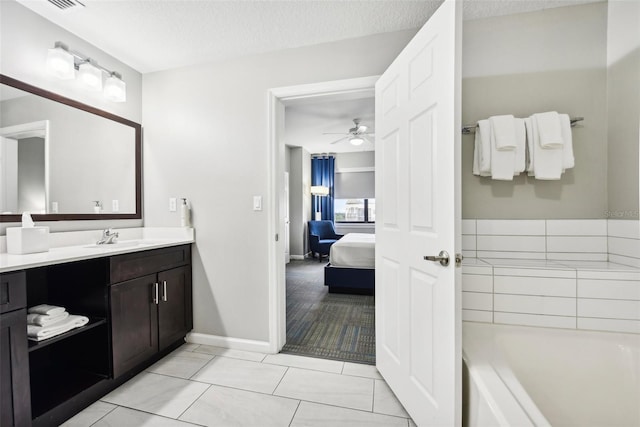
277,98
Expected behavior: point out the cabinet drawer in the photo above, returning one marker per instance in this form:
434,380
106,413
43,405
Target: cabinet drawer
137,264
13,291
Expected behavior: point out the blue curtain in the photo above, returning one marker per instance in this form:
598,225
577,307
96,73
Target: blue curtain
322,173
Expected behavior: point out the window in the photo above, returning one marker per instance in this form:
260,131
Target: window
355,210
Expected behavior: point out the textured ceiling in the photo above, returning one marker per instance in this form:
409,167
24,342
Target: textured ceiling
154,35
305,124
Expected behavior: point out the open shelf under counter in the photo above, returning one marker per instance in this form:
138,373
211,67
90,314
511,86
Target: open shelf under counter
93,322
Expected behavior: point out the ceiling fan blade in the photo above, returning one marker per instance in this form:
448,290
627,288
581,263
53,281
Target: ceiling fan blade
366,138
333,133
341,139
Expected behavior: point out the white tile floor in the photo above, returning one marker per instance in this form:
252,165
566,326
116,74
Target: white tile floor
212,386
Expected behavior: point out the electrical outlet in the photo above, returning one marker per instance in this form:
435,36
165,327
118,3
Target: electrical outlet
115,206
54,207
172,204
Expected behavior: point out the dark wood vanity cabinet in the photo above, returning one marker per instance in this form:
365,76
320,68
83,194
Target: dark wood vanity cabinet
15,401
139,308
152,308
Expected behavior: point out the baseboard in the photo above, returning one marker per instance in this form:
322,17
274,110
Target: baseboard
229,342
298,257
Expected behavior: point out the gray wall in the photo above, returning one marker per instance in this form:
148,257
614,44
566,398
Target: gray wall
623,85
522,64
220,168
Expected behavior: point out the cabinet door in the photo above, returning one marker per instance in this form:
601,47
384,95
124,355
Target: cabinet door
15,396
134,323
174,311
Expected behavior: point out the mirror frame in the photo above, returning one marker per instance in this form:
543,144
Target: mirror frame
9,81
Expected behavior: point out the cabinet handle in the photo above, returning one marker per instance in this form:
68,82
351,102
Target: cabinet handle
164,290
155,297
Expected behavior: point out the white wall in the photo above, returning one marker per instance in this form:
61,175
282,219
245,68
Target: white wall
24,40
206,139
299,200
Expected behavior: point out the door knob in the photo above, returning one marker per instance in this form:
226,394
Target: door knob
442,258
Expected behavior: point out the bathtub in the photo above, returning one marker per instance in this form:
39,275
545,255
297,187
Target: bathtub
528,376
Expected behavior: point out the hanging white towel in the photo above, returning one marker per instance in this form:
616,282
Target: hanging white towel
483,135
547,162
45,319
502,161
549,130
39,333
503,132
477,154
568,161
528,125
50,310
521,144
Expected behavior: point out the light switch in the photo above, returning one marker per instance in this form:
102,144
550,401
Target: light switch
172,204
54,207
257,203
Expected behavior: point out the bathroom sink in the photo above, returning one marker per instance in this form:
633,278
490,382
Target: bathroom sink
117,245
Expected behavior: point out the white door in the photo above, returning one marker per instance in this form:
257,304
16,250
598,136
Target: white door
418,327
287,242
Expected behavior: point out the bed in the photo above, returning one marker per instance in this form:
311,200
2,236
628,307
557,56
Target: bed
351,267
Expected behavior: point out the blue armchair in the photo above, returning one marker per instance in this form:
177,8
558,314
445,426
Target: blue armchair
321,236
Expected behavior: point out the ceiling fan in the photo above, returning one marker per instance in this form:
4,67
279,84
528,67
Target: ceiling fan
356,135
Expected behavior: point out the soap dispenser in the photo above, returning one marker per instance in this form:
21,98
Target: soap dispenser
97,207
185,214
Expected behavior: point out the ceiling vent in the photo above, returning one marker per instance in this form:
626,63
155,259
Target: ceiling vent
65,4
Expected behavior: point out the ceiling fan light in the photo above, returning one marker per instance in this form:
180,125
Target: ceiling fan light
90,76
356,140
362,128
60,63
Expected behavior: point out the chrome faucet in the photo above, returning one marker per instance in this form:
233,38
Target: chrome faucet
108,237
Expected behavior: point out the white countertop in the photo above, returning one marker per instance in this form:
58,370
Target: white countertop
80,245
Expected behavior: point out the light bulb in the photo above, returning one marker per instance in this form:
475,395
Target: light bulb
356,141
115,90
90,76
60,63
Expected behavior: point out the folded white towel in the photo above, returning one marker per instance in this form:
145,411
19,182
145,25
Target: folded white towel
549,130
503,132
46,319
545,163
50,310
39,333
568,161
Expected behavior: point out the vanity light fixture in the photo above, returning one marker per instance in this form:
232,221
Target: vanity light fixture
356,140
62,62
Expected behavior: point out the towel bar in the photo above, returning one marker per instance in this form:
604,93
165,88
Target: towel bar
469,129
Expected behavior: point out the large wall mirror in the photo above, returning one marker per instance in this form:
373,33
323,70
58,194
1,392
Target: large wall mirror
64,160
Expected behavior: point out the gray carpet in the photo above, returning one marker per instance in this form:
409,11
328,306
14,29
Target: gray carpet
330,326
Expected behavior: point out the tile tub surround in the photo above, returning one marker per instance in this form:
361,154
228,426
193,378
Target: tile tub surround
595,295
306,392
612,240
73,246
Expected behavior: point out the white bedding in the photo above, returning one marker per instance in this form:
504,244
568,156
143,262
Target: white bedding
356,250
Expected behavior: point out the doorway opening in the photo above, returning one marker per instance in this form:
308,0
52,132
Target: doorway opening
311,321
